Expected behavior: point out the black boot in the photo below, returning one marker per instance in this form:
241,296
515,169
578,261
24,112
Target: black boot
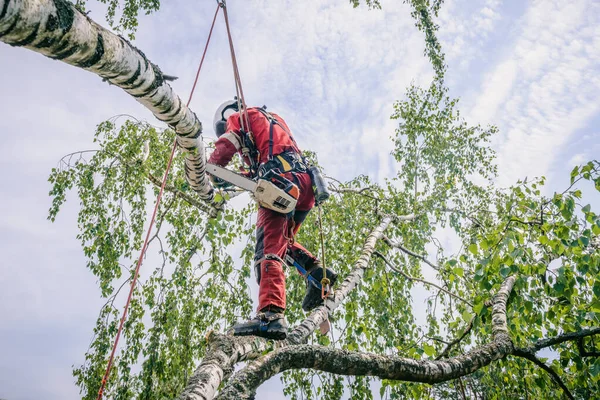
267,324
313,292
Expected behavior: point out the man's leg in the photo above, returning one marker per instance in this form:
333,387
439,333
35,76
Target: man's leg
270,241
270,246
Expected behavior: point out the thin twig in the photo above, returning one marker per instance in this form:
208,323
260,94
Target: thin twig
412,278
531,357
457,340
409,252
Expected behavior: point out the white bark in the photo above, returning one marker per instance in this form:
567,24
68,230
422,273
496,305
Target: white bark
56,29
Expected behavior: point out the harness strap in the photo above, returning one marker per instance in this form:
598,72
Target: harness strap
273,121
271,139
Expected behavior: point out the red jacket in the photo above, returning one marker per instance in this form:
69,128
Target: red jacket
231,141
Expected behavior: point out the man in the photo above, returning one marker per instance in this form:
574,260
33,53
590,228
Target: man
265,142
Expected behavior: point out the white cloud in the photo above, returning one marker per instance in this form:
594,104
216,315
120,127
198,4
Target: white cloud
545,90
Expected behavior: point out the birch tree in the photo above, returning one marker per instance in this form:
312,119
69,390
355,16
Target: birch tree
509,272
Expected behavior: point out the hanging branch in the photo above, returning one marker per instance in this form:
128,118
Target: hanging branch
56,29
531,357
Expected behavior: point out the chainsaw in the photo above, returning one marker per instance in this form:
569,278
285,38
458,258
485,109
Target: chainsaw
271,190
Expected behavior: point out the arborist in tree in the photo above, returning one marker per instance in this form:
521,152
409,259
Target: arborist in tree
265,142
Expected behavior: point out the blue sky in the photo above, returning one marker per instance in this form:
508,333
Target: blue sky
532,68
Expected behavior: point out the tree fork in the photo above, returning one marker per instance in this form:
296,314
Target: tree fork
56,29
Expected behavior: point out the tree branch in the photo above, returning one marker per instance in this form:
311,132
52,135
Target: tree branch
226,351
243,385
411,278
410,253
531,357
565,337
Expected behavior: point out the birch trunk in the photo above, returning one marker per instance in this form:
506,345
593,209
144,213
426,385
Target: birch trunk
56,29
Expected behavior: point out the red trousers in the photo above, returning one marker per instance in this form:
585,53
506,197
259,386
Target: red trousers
273,233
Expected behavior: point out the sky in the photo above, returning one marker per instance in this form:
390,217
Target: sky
333,72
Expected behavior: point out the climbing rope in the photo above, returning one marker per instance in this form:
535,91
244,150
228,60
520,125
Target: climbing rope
244,121
325,282
145,246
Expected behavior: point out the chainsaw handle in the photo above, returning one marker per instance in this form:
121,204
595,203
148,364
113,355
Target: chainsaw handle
279,180
276,178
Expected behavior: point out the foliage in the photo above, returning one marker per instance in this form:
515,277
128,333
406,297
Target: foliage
197,271
122,16
188,285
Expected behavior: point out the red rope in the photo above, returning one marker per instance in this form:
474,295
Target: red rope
145,246
236,75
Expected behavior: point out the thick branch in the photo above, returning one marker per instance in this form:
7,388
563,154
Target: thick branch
410,253
245,382
565,337
531,357
412,278
56,29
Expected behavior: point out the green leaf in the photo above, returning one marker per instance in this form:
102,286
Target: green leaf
473,248
429,350
466,316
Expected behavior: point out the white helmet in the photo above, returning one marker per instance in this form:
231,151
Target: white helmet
223,112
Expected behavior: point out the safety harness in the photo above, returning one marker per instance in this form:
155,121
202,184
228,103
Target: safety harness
288,161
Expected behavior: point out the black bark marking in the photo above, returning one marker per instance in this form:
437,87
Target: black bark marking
11,27
67,52
159,105
30,38
134,77
4,9
175,114
97,56
52,23
45,42
65,14
158,80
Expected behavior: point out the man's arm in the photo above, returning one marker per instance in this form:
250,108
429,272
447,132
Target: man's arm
228,144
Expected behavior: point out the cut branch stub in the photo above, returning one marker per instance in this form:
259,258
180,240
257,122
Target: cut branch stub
56,29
